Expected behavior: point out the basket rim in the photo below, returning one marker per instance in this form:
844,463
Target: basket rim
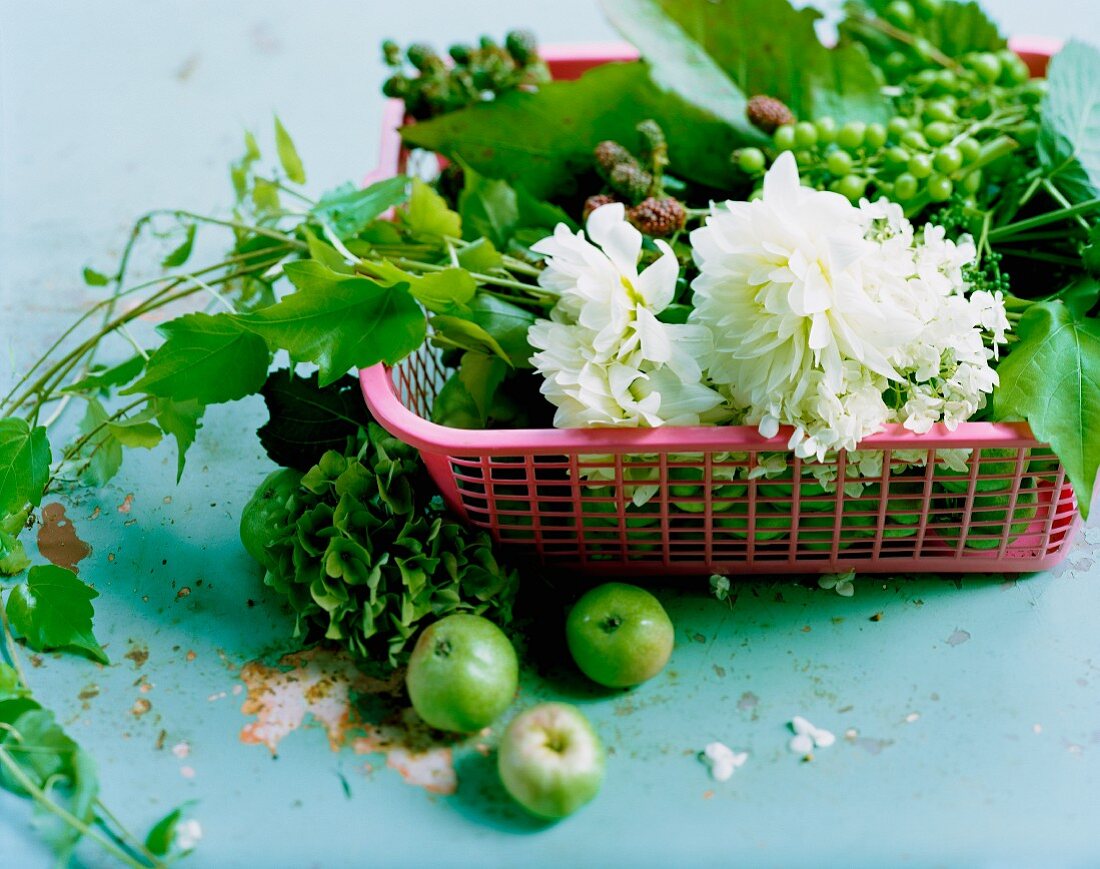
382,399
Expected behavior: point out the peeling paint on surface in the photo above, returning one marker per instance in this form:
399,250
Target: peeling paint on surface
127,503
58,541
139,654
320,685
958,637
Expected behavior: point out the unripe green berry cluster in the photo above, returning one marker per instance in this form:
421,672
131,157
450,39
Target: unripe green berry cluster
434,86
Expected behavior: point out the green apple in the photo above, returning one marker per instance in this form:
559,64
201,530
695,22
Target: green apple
550,760
619,635
462,673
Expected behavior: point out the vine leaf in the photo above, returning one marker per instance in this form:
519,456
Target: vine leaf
1069,139
288,154
1051,379
53,610
714,54
306,420
208,358
339,321
24,464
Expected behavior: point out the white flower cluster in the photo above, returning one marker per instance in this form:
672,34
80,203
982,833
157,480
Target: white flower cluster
820,311
605,357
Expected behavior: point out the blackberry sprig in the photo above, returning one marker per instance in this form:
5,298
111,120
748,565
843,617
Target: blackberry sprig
636,178
473,74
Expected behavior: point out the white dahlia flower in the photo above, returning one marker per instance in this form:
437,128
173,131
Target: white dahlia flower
816,307
605,357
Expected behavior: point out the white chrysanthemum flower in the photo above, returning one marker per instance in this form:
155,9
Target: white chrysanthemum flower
605,357
817,307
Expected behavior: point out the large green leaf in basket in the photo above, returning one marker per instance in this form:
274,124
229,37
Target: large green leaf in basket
1052,379
543,141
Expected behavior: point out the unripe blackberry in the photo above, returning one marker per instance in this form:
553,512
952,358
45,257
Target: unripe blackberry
460,53
630,180
391,53
421,55
658,217
395,87
609,155
767,113
597,201
521,45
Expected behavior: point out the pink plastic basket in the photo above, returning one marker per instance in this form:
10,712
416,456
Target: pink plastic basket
569,496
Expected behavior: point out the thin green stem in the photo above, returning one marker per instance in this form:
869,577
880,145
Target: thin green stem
1011,229
477,276
1040,256
1057,196
16,771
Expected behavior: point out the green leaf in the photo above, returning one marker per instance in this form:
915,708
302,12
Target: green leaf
265,195
100,458
1090,254
481,256
348,209
450,331
11,688
95,279
488,208
13,557
717,54
482,375
180,419
1051,379
239,169
53,762
306,420
182,253
428,214
327,255
137,430
206,358
437,291
53,610
506,323
1069,139
544,140
1079,296
24,464
102,379
288,154
956,28
340,322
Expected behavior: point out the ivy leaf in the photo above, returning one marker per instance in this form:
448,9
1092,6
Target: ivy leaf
543,141
102,379
956,28
288,154
180,419
182,253
100,458
1079,295
340,322
1069,138
482,375
24,464
1051,379
53,610
306,420
716,54
95,279
206,358
348,209
428,214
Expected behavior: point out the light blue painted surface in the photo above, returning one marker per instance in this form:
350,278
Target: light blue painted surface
107,111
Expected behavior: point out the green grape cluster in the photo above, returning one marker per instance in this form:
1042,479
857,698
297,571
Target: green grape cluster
952,127
473,74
